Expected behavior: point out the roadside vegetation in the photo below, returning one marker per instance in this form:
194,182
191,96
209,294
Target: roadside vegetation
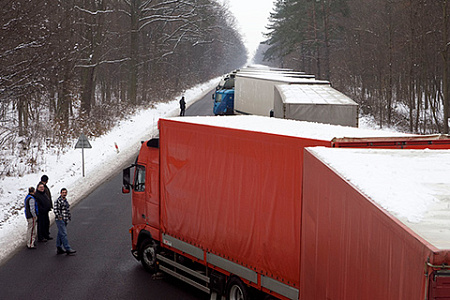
390,56
70,67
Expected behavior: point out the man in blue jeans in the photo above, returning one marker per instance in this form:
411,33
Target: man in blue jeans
62,217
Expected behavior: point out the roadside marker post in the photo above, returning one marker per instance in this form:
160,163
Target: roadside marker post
82,143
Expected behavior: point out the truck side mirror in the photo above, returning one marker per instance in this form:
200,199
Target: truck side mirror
126,181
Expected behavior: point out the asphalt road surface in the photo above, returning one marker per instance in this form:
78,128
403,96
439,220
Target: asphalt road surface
202,107
103,267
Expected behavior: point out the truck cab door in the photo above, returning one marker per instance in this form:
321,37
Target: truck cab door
152,191
139,207
145,208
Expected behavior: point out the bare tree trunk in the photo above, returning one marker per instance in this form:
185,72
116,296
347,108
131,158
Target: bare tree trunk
88,90
326,29
390,62
22,115
64,103
134,44
418,106
445,75
316,40
410,83
433,107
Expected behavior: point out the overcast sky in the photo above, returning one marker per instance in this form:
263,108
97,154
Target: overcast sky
252,17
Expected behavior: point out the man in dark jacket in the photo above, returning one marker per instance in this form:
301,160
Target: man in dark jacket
44,180
182,106
44,207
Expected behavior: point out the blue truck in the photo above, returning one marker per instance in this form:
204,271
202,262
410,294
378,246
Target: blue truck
224,97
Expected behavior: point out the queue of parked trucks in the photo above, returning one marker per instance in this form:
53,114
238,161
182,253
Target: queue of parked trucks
283,94
253,207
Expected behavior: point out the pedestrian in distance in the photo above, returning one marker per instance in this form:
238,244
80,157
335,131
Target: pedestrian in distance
44,207
182,106
62,217
31,213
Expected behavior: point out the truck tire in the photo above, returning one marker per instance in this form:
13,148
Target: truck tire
147,253
237,290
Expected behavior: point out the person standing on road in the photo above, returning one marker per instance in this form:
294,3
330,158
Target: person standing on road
62,217
44,180
182,106
44,206
31,213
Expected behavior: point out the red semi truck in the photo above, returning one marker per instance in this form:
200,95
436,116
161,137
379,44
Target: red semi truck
217,202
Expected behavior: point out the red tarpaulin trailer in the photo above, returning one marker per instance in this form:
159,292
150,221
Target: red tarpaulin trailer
228,207
355,248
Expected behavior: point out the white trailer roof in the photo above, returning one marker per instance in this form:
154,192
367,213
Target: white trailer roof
288,74
280,78
412,185
272,71
288,127
264,67
313,94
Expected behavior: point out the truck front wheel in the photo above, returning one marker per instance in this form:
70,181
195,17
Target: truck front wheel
237,290
148,256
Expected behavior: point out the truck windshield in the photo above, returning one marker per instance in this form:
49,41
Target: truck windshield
218,97
139,179
229,84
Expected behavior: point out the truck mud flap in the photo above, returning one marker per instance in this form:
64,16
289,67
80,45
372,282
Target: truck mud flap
440,286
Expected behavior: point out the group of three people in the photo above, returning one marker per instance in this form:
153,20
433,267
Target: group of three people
38,204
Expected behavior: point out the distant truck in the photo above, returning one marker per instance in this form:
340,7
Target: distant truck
233,227
224,96
255,92
315,103
284,94
225,91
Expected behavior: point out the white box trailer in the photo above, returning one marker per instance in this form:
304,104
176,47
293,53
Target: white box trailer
254,93
315,103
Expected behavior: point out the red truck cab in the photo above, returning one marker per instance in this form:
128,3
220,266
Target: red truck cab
145,203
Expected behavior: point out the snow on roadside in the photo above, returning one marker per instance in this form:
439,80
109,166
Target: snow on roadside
101,162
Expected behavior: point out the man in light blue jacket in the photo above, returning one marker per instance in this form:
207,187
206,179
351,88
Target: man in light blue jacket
31,213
